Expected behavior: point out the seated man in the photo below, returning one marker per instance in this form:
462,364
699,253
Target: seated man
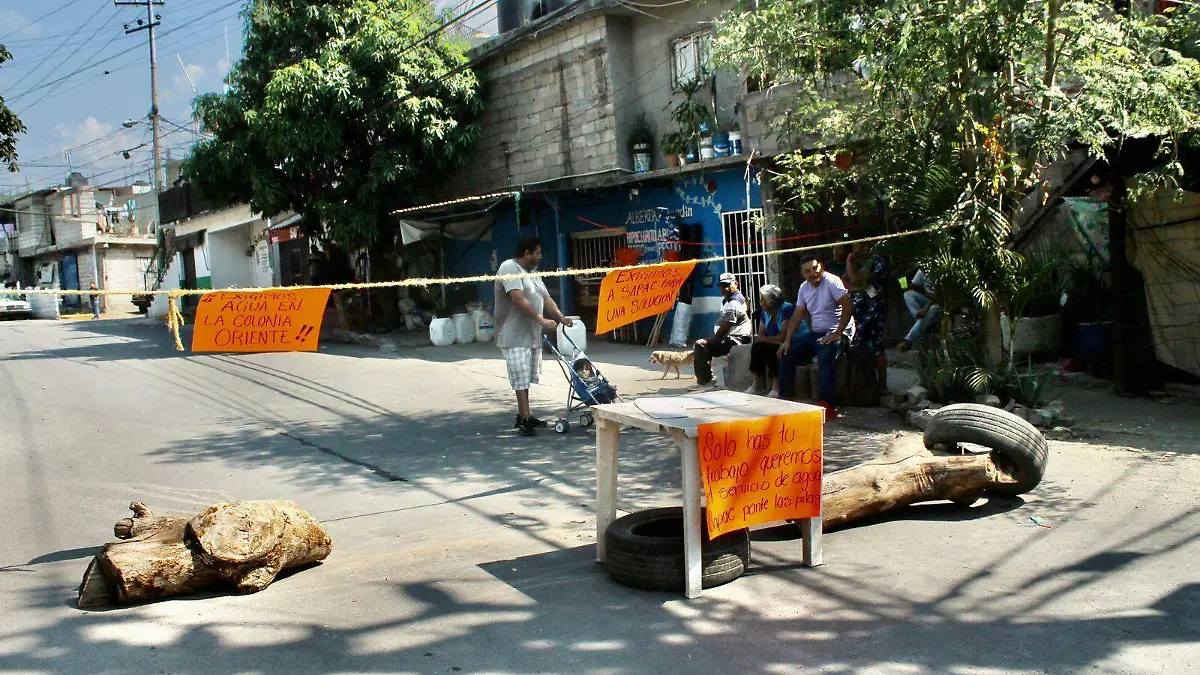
734,329
920,305
823,297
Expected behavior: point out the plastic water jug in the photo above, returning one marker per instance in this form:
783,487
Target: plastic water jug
441,332
485,328
578,335
464,328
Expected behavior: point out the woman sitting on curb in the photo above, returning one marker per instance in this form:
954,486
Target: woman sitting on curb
773,315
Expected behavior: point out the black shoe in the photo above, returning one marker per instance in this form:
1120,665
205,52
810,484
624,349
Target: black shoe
526,428
531,420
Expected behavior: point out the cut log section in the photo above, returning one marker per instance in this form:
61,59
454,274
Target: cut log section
245,544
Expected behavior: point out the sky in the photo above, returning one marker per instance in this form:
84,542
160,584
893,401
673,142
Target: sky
75,77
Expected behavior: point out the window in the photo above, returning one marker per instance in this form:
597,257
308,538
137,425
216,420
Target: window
690,58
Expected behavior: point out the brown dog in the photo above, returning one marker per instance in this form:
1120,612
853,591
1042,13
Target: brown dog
670,360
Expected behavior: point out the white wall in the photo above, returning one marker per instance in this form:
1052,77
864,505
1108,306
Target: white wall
158,307
231,267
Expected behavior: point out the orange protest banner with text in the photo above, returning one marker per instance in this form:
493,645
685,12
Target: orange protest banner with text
761,470
629,295
261,321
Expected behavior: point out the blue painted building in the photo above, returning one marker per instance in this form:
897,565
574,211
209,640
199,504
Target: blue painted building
682,213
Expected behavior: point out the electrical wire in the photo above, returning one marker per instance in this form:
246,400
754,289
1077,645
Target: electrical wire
62,44
41,18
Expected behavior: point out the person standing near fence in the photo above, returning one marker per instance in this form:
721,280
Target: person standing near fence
867,274
522,308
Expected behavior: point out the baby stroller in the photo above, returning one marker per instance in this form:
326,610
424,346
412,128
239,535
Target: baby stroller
588,386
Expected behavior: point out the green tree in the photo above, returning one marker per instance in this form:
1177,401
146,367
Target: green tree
340,110
950,108
10,125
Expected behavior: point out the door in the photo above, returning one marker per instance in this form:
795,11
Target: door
189,276
596,249
69,278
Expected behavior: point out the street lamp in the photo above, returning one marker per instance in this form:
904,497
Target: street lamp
129,124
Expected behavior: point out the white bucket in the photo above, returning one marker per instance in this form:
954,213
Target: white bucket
485,328
441,332
464,328
577,333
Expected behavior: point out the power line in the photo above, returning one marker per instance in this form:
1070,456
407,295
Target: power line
47,15
92,64
61,45
136,61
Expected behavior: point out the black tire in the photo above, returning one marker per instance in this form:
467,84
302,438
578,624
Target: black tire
1014,442
645,550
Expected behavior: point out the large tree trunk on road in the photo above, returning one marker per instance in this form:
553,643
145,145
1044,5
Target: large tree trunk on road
900,479
245,543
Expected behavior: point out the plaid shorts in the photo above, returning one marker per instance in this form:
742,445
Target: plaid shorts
524,366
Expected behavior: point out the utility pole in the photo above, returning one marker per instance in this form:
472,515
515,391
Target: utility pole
148,24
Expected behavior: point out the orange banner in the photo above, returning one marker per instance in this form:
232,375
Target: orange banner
761,470
629,295
263,321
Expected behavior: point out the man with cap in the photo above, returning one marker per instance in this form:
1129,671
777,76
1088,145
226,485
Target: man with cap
733,329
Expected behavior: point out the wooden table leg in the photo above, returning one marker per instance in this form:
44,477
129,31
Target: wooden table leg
608,435
692,493
810,529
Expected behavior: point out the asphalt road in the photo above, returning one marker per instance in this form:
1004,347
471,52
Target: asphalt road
461,547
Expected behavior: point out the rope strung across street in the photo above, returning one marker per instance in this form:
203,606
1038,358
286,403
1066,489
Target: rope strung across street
175,318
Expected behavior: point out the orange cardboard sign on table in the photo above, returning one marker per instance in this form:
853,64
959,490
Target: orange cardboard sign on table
761,470
629,295
260,321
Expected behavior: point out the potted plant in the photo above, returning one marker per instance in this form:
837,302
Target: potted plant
641,139
673,147
690,114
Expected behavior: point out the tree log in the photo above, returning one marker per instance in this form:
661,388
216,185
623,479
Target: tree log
245,543
904,478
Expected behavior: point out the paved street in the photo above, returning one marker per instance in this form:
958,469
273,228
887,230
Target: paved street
462,547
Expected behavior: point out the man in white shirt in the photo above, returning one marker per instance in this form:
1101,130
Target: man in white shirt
520,304
734,329
823,297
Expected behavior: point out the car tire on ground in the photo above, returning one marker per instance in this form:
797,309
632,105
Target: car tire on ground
1016,444
645,550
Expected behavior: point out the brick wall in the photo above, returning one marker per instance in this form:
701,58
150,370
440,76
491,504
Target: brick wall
548,111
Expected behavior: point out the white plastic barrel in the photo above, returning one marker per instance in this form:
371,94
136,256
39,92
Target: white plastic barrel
464,328
441,332
577,333
485,328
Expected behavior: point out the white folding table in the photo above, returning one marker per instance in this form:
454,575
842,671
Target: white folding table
690,411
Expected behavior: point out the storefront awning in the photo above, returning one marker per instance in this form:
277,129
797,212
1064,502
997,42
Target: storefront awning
469,230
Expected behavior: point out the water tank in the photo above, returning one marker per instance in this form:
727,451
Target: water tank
512,14
464,328
577,335
441,332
